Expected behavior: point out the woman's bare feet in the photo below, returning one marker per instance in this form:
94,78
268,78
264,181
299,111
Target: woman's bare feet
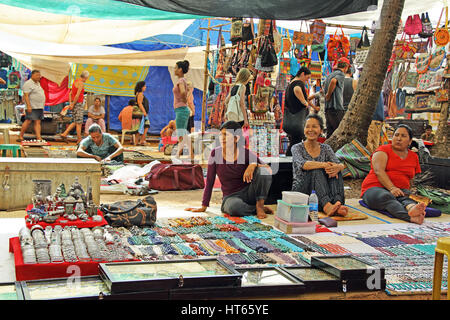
261,211
417,210
342,211
330,209
417,219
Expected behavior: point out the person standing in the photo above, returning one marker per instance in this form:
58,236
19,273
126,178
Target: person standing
96,114
144,105
180,94
76,99
334,96
296,107
350,85
34,97
240,88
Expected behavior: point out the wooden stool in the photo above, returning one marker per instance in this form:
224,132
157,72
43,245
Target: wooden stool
442,247
124,132
16,150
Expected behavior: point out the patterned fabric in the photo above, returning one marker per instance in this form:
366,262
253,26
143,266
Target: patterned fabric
110,80
77,113
356,159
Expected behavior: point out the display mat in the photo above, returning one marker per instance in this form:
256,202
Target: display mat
406,251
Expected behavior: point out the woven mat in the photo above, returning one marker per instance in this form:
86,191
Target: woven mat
352,215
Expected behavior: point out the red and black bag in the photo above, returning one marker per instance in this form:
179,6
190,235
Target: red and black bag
141,213
166,177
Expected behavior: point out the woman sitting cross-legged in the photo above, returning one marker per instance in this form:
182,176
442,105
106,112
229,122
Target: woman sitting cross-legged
244,178
315,167
386,187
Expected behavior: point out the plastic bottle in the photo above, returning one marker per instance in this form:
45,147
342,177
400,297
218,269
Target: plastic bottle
313,203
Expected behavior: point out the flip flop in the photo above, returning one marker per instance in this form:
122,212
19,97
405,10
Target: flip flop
19,140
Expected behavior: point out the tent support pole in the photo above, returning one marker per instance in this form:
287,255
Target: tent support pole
205,79
109,112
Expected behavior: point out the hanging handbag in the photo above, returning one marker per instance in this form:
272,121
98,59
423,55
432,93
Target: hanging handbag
411,79
247,30
413,25
447,68
303,38
293,64
427,27
405,49
410,102
285,65
442,95
354,41
423,46
338,46
315,67
268,56
441,35
141,213
395,76
402,75
361,56
364,42
422,62
286,43
236,30
317,29
437,59
422,101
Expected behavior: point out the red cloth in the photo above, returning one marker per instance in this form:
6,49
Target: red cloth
78,223
400,171
47,270
54,93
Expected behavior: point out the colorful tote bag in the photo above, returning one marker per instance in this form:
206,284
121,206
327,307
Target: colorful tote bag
317,29
441,95
303,38
423,62
285,65
413,25
338,46
411,79
437,59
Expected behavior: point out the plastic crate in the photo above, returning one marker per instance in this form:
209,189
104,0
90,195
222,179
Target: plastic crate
292,212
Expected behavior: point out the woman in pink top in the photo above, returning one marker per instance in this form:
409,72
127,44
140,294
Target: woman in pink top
180,93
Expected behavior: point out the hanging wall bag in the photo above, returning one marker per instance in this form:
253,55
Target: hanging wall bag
447,68
236,30
411,79
293,64
413,25
141,213
422,62
286,42
317,29
437,59
338,46
441,95
405,49
269,56
315,67
427,27
441,35
247,30
303,38
362,48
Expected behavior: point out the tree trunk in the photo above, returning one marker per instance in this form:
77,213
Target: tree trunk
357,119
441,149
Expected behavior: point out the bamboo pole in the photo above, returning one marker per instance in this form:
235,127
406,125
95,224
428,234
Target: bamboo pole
205,78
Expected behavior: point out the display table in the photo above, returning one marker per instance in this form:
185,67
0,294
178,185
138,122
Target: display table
48,270
77,223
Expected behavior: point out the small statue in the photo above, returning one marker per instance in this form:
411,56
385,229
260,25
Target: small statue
63,192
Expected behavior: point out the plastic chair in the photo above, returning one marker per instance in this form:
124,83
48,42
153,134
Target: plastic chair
124,132
15,150
442,247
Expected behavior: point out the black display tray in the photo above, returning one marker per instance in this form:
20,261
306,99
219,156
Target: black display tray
318,285
233,278
346,274
53,282
17,285
294,286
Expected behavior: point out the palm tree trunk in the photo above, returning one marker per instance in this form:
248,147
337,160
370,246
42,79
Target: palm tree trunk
357,119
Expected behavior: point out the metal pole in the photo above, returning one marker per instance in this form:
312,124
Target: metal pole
205,79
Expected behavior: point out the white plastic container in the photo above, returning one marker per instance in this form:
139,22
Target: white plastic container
292,212
295,227
294,197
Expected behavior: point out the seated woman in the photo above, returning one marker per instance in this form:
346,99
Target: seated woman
315,167
96,114
100,146
386,187
244,178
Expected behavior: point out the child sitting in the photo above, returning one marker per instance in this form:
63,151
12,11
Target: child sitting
128,122
166,137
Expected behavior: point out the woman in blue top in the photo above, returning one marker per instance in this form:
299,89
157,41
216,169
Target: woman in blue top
315,167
